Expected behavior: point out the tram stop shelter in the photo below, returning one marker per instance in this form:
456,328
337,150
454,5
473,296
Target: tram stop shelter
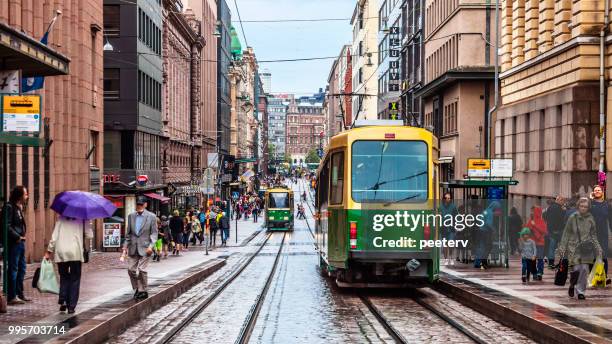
487,194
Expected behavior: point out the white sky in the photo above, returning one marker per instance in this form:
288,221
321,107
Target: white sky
272,41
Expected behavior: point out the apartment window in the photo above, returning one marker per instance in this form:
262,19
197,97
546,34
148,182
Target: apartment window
360,76
111,83
93,148
112,23
360,48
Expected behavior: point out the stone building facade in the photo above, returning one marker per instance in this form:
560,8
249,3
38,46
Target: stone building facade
72,108
205,11
549,117
458,86
305,124
181,144
364,58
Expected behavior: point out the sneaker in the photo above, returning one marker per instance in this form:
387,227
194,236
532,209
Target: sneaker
539,277
524,279
63,308
570,291
581,297
15,301
23,298
482,267
71,311
452,262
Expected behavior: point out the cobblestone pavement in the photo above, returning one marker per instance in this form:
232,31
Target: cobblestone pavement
105,277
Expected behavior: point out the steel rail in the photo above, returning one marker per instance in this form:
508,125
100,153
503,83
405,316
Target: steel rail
450,321
249,324
392,331
167,338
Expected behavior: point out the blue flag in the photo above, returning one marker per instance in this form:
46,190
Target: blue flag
35,82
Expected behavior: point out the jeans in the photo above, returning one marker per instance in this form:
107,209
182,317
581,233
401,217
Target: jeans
213,237
552,246
224,234
16,270
525,267
70,283
540,260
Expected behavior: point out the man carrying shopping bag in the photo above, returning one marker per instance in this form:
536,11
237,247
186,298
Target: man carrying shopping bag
140,236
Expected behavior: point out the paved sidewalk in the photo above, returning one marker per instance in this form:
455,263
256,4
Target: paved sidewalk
541,301
105,278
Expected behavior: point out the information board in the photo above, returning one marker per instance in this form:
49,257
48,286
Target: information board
111,235
501,168
479,168
21,113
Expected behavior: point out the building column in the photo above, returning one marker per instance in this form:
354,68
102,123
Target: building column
563,17
518,32
547,16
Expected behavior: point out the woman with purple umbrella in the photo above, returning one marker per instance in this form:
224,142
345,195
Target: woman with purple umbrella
67,244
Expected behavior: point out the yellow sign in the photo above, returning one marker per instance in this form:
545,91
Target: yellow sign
21,113
479,168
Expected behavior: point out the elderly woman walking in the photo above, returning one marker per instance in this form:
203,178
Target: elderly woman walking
66,246
580,246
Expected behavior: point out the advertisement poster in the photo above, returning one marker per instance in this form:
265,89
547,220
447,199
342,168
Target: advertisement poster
112,235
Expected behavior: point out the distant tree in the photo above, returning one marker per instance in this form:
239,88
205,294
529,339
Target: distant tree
312,157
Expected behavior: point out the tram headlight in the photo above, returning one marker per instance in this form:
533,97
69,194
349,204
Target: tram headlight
286,218
271,217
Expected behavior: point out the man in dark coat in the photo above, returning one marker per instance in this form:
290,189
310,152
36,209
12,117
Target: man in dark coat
555,221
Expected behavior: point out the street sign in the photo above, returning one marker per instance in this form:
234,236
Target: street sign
246,160
142,179
479,168
501,168
21,113
320,152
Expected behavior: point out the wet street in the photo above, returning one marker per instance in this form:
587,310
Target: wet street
271,291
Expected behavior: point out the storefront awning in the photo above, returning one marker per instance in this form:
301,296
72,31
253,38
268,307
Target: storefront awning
157,197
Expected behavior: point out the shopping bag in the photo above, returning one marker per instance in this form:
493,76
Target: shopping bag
47,283
561,274
597,277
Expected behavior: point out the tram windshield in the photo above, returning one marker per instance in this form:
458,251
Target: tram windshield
389,171
278,200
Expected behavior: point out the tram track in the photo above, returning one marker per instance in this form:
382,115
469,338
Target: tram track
251,318
425,302
247,327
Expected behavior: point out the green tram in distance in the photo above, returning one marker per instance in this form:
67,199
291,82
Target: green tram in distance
371,175
279,206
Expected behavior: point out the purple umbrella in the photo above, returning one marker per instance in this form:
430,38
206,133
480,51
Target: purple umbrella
82,205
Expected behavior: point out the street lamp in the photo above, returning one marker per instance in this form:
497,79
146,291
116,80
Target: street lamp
107,45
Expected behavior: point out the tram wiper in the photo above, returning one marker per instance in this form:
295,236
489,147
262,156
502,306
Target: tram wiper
402,200
378,184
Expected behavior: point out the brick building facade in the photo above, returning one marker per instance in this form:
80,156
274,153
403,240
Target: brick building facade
72,109
181,144
305,123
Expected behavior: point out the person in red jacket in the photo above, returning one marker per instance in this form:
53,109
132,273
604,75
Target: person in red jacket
537,225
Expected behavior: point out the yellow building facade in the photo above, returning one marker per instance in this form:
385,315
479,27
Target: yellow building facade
548,120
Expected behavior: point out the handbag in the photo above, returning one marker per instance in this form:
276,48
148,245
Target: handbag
584,248
561,273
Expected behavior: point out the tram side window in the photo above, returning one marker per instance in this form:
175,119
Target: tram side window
323,185
337,178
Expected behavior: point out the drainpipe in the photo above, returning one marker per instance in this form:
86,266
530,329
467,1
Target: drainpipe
489,144
602,90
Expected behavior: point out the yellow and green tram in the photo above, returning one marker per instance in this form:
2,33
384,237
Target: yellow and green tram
371,184
279,205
